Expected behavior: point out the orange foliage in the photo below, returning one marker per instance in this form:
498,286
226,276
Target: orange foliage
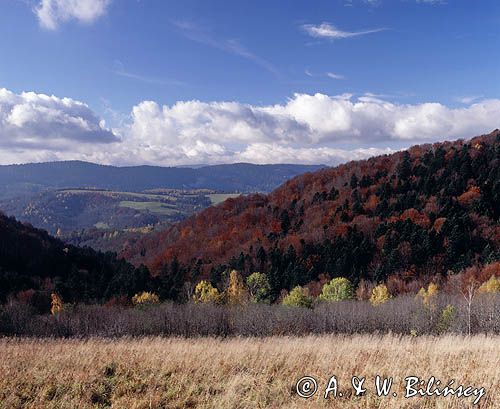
473,193
490,270
438,224
416,217
371,203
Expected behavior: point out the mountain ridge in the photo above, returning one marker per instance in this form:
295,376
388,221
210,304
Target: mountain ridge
241,177
442,194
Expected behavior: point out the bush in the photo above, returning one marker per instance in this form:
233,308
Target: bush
400,315
446,318
298,297
41,301
338,289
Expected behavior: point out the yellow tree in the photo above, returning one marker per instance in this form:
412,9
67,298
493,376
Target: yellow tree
236,292
205,292
491,286
298,297
428,296
56,304
380,294
145,298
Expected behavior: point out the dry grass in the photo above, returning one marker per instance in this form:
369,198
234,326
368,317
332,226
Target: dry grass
237,372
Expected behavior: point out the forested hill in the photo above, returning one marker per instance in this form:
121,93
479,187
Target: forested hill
239,177
34,264
420,212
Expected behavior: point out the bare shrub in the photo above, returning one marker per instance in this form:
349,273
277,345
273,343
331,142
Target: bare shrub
399,315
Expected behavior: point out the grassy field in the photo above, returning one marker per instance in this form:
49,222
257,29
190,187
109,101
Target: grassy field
239,372
217,198
153,207
118,193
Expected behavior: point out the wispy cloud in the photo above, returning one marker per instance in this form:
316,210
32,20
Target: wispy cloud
350,3
119,70
432,1
469,99
329,74
334,76
329,31
195,33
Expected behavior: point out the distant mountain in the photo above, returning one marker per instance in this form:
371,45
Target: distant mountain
16,180
412,214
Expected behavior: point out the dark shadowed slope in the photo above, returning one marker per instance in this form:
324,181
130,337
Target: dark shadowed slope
34,264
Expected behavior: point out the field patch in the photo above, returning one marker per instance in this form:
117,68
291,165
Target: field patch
153,207
217,198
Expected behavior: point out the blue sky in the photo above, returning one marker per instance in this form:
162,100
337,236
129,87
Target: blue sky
188,81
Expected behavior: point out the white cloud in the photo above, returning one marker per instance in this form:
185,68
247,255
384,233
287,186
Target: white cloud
51,13
305,129
263,153
31,121
329,31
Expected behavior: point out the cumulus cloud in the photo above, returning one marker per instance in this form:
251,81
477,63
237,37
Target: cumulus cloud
329,31
305,129
33,121
51,13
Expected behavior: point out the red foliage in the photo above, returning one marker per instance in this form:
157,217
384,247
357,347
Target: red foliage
221,232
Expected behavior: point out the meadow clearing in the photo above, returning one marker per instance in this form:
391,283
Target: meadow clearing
234,372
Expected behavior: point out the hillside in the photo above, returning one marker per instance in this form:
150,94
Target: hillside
31,178
406,216
34,264
72,210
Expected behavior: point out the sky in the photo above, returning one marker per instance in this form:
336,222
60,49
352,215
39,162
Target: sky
162,82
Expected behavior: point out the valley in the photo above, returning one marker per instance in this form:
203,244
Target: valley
108,208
